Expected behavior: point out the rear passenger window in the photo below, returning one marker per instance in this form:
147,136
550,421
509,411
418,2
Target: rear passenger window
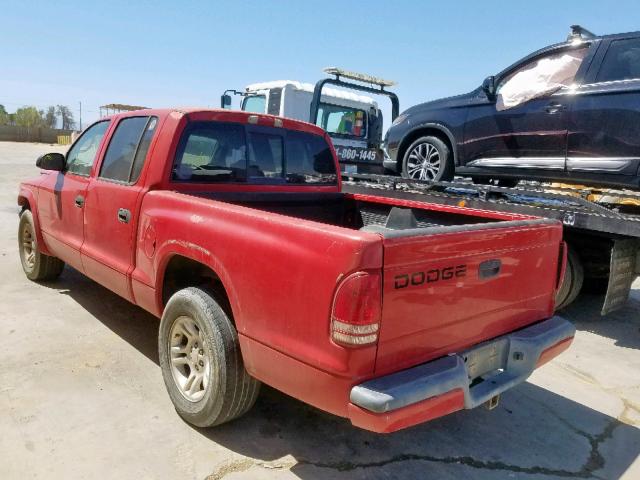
621,62
127,149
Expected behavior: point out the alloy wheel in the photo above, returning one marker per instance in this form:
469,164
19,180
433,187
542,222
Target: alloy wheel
190,365
28,241
423,162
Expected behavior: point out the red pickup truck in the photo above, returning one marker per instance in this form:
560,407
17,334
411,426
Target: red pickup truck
233,229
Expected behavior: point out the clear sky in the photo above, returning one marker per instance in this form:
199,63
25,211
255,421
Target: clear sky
186,52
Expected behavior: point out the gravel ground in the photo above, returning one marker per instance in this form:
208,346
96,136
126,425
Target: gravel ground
81,396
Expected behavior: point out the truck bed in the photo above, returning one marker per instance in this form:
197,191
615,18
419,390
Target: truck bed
367,213
452,277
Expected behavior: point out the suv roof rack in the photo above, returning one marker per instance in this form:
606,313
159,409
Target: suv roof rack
578,32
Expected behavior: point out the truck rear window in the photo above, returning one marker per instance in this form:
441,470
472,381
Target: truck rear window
231,152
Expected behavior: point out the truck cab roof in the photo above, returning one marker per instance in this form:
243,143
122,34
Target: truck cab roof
308,87
219,114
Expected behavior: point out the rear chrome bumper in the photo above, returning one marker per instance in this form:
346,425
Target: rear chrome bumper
463,380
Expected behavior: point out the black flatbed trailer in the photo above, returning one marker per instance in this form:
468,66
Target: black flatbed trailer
603,237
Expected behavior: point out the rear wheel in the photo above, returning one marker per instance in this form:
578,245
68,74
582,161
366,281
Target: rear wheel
201,361
428,158
36,265
572,281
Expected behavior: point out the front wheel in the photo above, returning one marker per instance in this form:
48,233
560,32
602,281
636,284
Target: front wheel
36,265
428,158
201,360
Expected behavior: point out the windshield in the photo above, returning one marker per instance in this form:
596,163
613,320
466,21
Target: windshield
233,152
254,104
341,120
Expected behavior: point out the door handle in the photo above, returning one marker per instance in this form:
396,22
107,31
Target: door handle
554,108
79,201
124,215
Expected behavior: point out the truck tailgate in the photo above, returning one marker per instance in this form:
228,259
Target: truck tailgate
447,288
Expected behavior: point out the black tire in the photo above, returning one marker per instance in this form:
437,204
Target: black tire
230,391
36,265
445,169
508,182
572,281
481,180
500,182
596,286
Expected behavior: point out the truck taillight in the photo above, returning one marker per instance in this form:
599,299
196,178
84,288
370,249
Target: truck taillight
355,317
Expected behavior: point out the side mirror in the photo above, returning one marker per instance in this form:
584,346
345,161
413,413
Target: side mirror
51,161
225,101
489,87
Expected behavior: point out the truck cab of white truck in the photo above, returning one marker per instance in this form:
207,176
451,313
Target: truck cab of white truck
353,121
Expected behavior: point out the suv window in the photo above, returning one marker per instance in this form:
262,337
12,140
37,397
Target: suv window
540,77
621,62
82,154
342,120
254,104
231,152
127,149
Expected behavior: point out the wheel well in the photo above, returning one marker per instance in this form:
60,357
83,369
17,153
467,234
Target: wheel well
24,203
183,272
422,132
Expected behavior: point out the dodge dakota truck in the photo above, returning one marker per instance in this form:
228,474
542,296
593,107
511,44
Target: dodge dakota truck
232,228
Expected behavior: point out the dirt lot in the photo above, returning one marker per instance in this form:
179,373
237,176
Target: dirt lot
81,396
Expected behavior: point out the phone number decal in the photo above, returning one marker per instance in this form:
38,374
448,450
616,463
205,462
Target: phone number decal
356,154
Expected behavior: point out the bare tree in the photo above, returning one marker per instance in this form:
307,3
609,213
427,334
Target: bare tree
66,116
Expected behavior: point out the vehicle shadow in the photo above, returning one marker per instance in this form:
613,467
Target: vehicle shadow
532,432
131,323
623,325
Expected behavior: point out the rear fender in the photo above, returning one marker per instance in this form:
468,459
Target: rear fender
27,201
198,254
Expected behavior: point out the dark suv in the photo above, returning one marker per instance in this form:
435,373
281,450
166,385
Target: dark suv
570,111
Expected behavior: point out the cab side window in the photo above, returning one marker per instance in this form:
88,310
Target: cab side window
82,154
127,149
621,62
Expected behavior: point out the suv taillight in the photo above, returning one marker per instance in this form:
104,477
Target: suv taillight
357,306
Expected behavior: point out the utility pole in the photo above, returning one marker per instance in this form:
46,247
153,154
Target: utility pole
80,103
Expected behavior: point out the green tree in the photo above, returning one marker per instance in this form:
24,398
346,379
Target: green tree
50,118
4,116
29,117
66,116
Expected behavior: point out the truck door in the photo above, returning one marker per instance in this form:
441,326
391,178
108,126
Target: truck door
111,206
63,194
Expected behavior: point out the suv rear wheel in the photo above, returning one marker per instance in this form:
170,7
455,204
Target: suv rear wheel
428,158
